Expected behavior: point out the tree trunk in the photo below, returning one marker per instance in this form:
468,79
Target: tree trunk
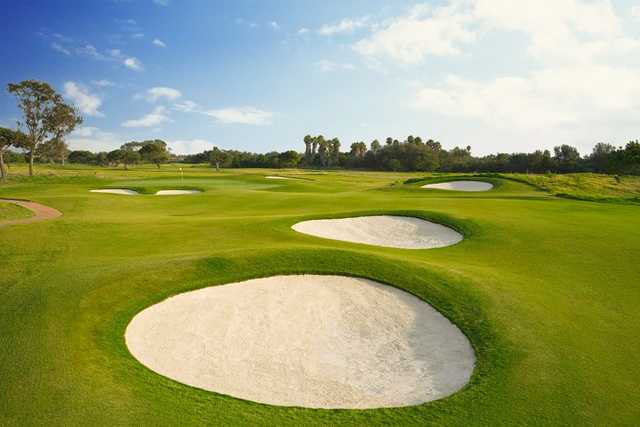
3,175
125,166
158,165
31,163
217,166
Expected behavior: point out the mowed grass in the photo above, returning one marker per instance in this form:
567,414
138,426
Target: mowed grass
9,211
546,289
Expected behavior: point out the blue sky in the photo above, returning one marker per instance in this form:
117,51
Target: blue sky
497,75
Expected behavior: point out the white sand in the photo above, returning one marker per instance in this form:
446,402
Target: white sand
382,230
308,340
116,191
176,192
276,177
461,186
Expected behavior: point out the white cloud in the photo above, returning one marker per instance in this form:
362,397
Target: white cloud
58,47
325,66
159,43
160,92
89,50
187,106
635,11
133,63
231,115
547,98
303,30
241,115
190,146
86,102
137,35
573,30
423,31
274,25
103,83
93,139
344,26
156,117
162,2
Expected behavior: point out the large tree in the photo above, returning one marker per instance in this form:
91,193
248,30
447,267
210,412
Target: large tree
8,138
45,115
155,152
130,157
217,156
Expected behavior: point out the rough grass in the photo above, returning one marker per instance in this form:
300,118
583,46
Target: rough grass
587,186
546,289
9,211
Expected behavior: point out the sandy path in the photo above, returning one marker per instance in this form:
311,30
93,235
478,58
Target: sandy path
461,186
40,212
382,230
305,340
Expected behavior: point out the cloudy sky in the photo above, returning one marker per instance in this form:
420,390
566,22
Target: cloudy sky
499,75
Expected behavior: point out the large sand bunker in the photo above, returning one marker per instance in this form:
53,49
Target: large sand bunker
40,212
307,340
276,177
461,186
176,192
383,230
121,191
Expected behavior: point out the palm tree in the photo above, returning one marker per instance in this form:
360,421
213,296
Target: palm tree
307,142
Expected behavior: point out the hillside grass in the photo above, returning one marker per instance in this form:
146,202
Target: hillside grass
546,289
587,186
9,211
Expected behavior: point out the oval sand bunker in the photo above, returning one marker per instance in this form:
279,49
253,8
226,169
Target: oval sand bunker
121,191
307,340
461,186
176,192
383,230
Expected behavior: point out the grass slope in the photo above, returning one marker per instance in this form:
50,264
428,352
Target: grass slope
9,211
546,289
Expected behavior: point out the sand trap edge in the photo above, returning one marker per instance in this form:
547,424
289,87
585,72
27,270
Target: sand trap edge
468,186
176,192
472,359
117,191
451,233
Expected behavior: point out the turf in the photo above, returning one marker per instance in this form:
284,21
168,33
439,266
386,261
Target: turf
546,289
9,211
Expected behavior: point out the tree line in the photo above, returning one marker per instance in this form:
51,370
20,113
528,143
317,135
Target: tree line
416,154
47,119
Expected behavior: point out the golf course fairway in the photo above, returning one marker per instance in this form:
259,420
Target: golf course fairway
546,289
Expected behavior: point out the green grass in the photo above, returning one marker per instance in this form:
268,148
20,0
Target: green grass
546,289
587,186
9,211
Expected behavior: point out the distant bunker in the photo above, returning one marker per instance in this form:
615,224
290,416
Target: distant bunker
461,186
121,191
383,230
176,192
305,340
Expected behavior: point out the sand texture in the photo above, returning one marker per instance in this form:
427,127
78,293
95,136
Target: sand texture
461,186
383,230
305,340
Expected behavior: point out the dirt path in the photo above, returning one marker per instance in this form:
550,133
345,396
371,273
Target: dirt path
40,212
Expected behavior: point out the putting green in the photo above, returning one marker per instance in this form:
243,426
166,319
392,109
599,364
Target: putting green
545,289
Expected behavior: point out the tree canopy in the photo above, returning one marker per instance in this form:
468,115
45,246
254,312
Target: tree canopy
46,117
